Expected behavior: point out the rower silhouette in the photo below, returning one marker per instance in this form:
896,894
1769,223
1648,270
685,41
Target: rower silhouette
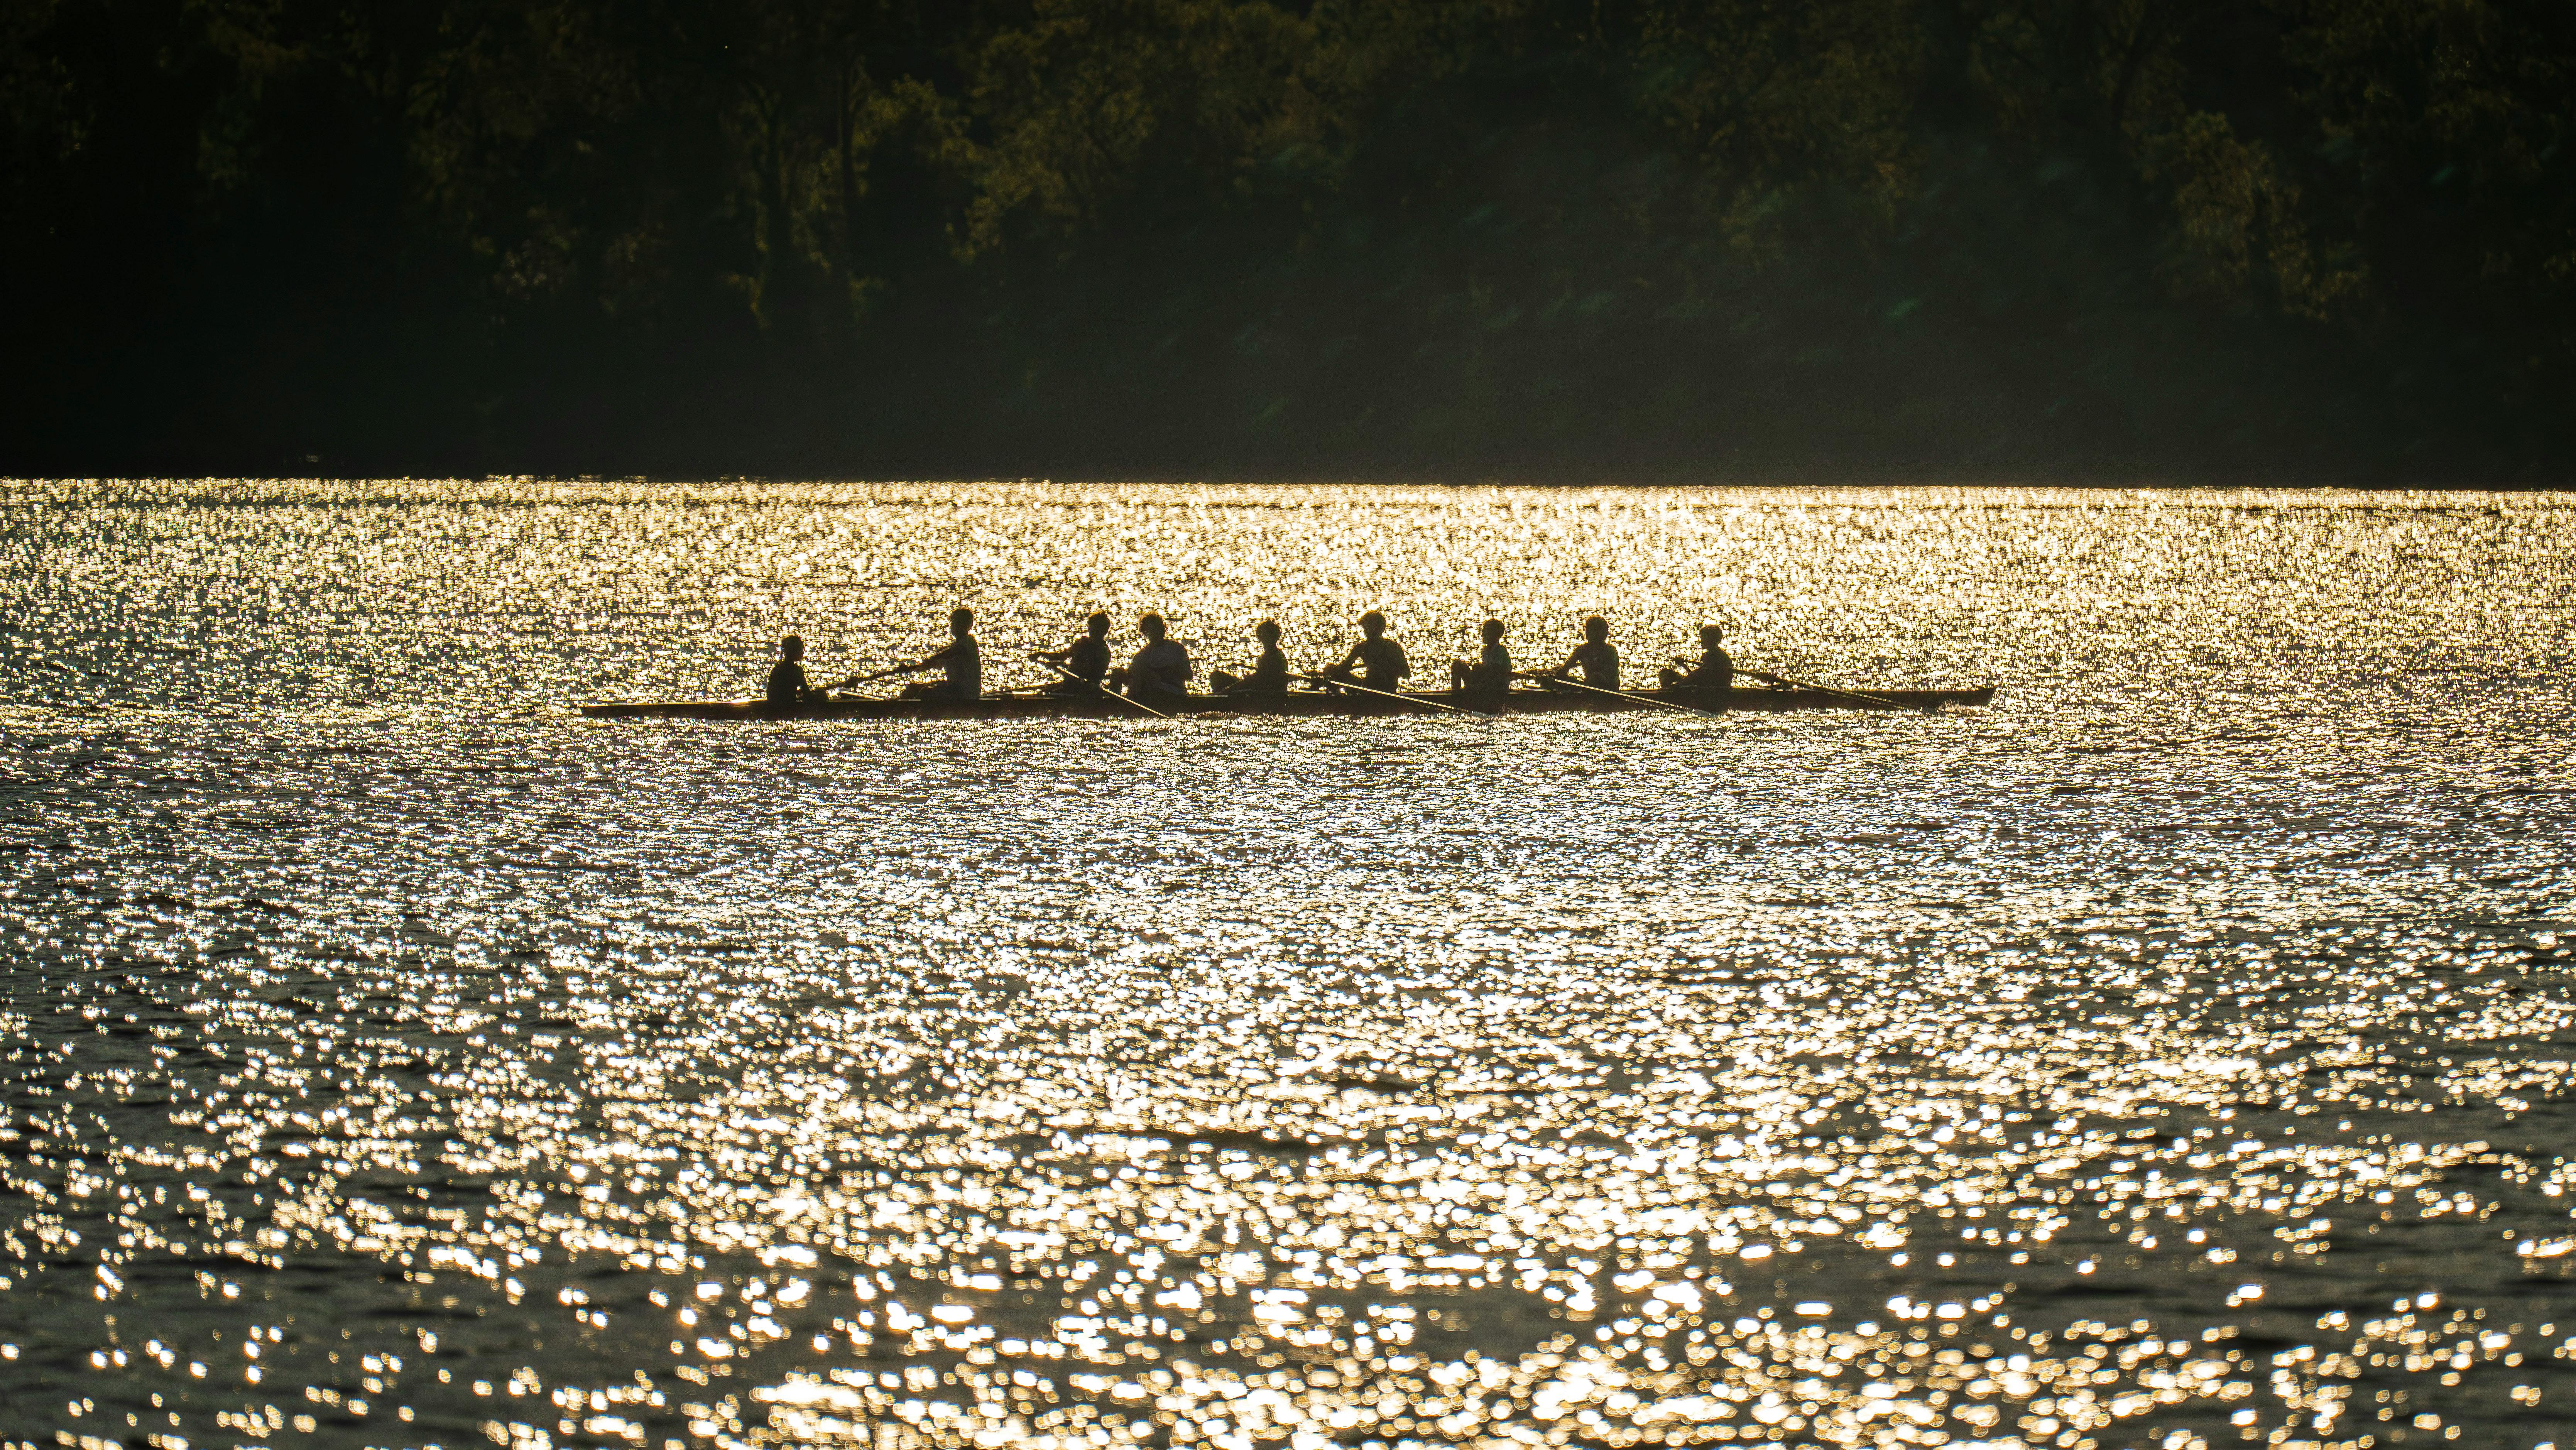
1491,674
1085,662
1715,672
1269,674
963,661
787,682
1159,674
1597,657
1379,660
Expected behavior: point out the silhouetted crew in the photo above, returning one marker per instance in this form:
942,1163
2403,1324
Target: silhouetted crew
963,660
1085,662
1491,674
1379,661
1159,674
787,683
1715,670
1269,673
1596,657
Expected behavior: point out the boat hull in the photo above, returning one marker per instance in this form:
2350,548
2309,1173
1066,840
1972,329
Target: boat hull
1299,703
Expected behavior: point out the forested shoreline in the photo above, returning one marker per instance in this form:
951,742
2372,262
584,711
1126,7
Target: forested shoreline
1878,240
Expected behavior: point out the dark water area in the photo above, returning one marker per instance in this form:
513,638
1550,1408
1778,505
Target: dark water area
2176,1054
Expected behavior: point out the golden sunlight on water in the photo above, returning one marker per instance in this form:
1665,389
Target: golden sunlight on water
2174,1055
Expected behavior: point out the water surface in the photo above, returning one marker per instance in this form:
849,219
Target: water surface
2176,1054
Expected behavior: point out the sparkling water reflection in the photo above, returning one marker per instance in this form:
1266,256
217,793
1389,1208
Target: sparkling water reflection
2176,1054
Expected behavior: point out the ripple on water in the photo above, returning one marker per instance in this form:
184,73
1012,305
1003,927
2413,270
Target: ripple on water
2177,1054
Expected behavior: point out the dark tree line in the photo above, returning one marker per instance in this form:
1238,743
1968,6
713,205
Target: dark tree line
2296,240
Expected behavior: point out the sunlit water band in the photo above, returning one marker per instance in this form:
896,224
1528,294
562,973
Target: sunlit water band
2175,1055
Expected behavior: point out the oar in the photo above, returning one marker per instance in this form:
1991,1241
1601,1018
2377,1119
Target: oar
1386,695
855,680
1621,694
1109,694
1881,701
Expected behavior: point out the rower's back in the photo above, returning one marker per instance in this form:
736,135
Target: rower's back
1162,669
1600,664
1088,658
1383,665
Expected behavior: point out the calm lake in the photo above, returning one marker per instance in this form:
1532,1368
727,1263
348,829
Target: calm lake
2175,1055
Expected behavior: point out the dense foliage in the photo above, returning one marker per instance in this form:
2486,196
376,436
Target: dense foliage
2081,239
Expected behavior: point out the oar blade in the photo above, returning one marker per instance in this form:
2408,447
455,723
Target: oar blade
1107,693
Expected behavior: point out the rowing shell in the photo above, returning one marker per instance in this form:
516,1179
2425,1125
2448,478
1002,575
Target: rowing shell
1055,707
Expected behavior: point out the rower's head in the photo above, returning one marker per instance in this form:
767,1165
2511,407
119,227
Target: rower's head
960,621
1098,624
792,647
1596,630
1373,625
1710,636
1493,631
1267,631
1151,626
